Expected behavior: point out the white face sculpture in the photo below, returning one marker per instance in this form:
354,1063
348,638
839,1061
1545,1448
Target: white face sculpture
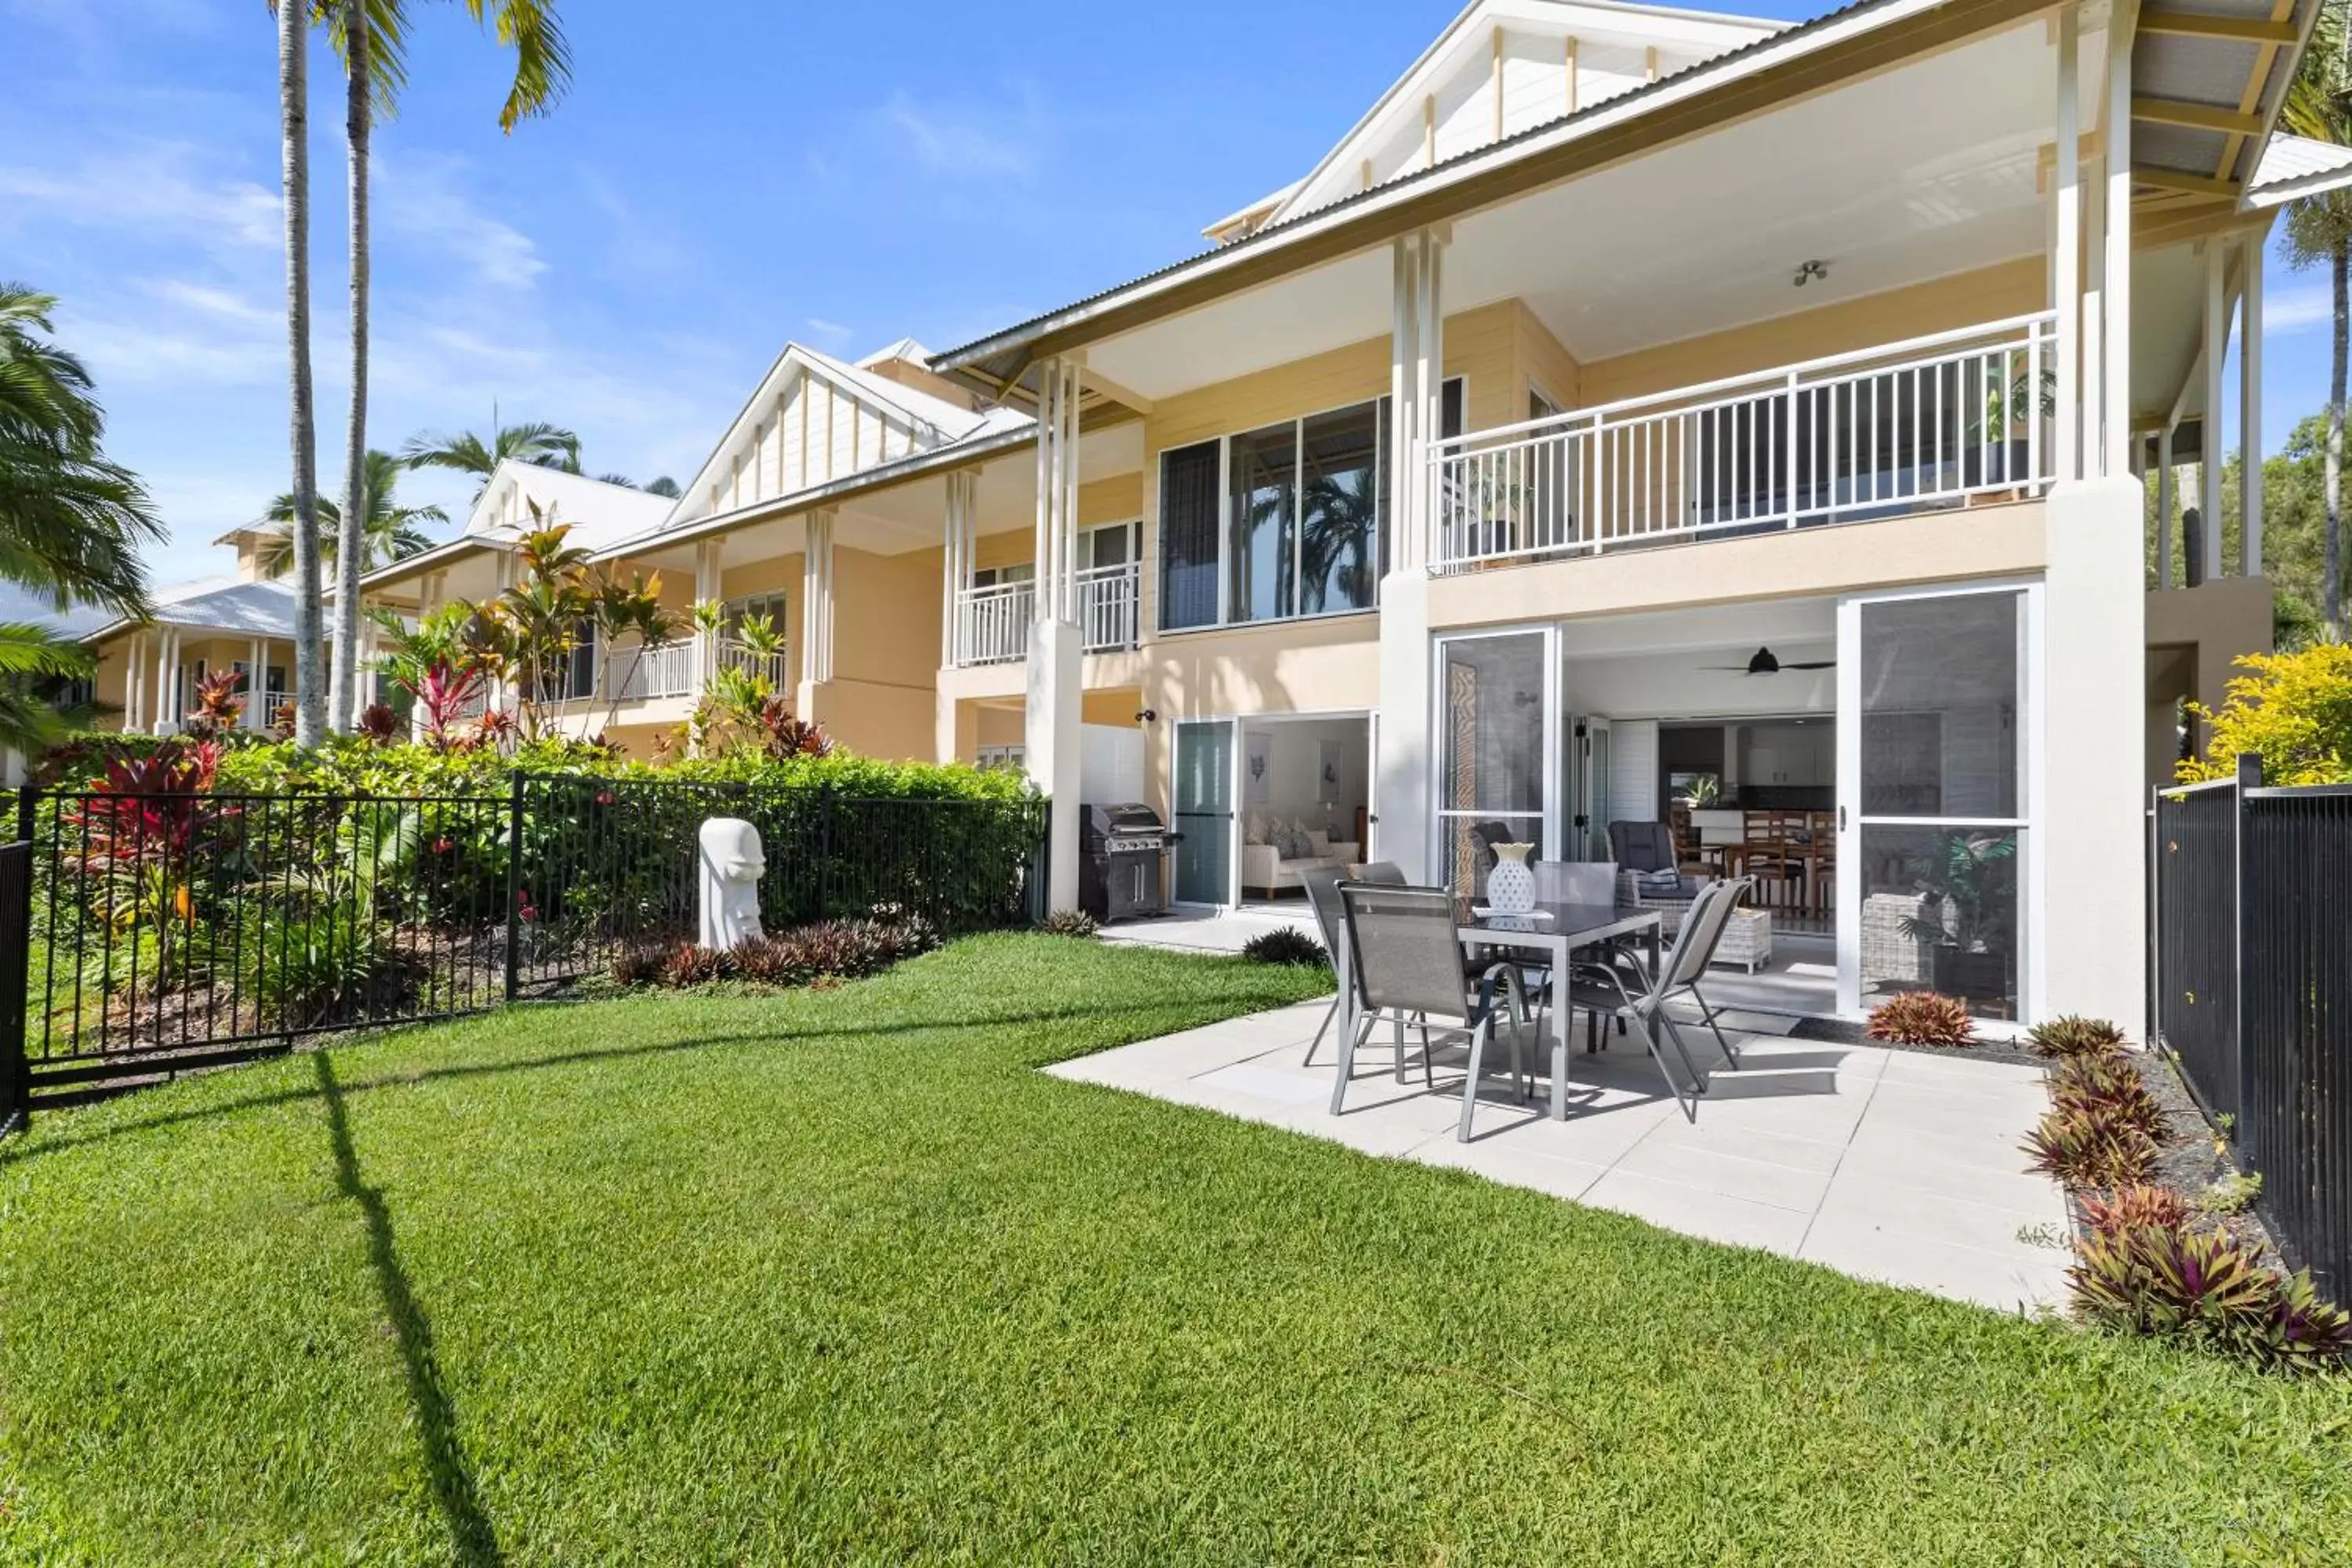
732,864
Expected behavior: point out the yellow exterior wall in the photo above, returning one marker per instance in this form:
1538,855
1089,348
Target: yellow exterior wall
1989,294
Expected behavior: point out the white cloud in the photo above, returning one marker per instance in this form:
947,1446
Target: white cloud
420,199
2296,310
832,334
162,191
960,144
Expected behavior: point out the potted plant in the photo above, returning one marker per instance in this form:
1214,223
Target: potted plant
1971,921
1996,446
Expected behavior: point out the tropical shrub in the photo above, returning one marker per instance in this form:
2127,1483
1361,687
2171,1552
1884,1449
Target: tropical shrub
306,969
2291,710
2108,1087
689,964
2138,1204
1072,923
2090,1148
1922,1018
800,956
1285,944
2075,1036
2209,1289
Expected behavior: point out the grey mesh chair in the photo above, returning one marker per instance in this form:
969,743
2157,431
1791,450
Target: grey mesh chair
1321,884
1404,958
1610,991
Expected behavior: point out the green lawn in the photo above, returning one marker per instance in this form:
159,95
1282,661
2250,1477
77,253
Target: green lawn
837,1278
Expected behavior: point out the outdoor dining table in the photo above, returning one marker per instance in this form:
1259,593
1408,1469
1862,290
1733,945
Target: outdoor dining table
1555,930
1546,934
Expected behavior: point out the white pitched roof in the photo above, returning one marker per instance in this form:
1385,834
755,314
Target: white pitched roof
597,511
2296,166
1501,68
228,606
895,420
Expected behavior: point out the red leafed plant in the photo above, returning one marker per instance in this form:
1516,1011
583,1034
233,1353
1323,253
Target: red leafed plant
219,707
137,831
784,735
1922,1018
378,723
442,693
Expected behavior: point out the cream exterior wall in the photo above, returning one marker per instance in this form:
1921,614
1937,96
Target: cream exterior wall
2206,629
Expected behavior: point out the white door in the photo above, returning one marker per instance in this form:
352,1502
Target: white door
1934,752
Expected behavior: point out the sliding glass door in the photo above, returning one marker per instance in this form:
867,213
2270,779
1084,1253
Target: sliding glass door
1934,728
1498,751
1203,811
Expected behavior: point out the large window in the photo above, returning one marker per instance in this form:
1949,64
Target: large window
1490,785
1189,509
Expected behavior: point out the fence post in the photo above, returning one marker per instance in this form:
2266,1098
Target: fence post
514,883
28,797
824,849
2250,777
15,943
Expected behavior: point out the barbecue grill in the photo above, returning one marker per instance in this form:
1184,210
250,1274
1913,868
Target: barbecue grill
1122,855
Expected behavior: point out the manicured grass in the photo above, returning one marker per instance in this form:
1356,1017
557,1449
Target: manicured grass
836,1278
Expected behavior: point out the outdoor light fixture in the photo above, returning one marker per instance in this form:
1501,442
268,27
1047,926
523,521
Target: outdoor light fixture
1149,716
1809,270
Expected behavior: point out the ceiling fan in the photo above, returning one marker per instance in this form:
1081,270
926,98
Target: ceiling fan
1764,663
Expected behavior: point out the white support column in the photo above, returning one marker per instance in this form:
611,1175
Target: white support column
167,664
1401,832
2164,503
2209,449
2066,248
134,664
1055,668
2092,347
816,610
2116,438
2249,405
710,587
256,676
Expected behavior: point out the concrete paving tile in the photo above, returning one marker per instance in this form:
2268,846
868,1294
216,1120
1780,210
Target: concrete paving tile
1856,1199
2001,1119
1500,1161
1900,1161
1732,1175
2007,1279
1284,1085
1889,1142
1740,1221
1819,1155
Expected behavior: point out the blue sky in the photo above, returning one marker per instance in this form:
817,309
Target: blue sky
722,178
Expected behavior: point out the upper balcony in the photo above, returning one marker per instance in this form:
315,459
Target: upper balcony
1932,423
991,623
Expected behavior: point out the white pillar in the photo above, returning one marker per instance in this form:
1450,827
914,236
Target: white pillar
167,667
2209,449
2066,248
2249,405
134,668
1056,670
2164,506
256,680
2088,905
816,609
960,528
2117,440
710,587
1417,374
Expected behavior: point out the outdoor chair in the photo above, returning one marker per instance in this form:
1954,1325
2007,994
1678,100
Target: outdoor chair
1381,874
1405,959
1648,873
1612,991
1322,885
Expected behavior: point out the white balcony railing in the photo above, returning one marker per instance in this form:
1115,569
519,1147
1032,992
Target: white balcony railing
776,666
1919,424
1108,599
638,675
991,624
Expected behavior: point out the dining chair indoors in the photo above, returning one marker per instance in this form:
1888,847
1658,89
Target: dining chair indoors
1405,961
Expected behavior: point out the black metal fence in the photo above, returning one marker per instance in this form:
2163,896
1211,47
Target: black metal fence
164,931
2253,938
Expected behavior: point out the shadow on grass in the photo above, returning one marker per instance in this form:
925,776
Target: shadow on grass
17,1150
471,1537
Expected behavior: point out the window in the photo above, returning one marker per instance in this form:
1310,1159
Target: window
989,576
1285,521
1188,535
1008,759
1112,544
770,607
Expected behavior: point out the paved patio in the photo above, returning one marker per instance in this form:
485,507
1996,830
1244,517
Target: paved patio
1888,1165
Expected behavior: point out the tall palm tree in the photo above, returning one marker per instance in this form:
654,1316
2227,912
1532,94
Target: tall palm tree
294,160
371,35
389,533
73,522
2319,105
548,446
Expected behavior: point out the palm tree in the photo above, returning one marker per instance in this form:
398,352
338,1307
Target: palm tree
371,35
390,531
2319,105
294,158
548,446
71,522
